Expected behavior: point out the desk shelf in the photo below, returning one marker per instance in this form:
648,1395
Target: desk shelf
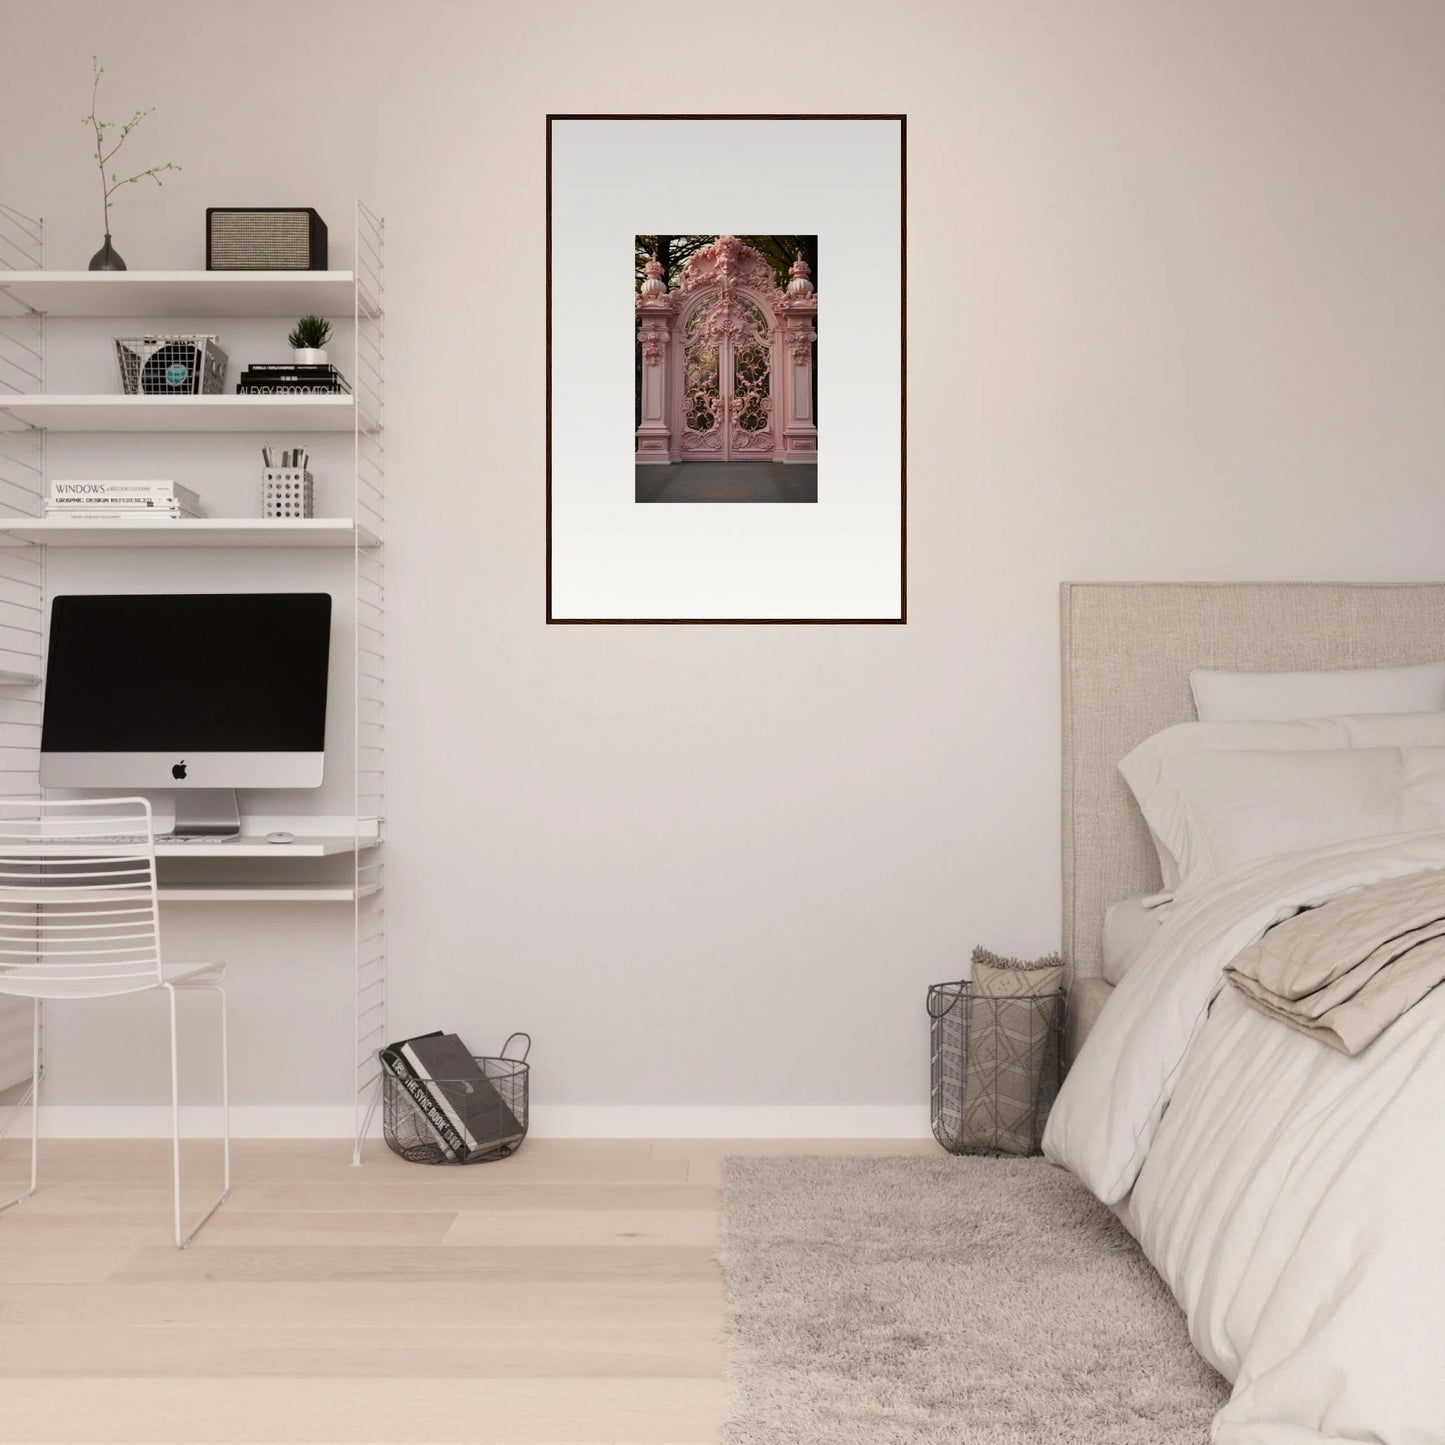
180,294
264,892
104,412
186,532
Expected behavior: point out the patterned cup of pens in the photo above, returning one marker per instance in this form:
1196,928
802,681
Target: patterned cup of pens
287,490
441,1104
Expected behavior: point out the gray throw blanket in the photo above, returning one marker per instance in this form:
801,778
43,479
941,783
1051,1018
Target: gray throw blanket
1344,972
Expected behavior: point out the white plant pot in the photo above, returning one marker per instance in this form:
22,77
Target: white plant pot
309,356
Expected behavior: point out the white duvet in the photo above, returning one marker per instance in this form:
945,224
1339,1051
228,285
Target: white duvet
1292,1197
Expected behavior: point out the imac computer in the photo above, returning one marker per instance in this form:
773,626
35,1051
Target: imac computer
192,695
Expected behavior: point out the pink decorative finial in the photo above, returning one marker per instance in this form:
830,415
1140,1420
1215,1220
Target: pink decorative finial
800,271
654,285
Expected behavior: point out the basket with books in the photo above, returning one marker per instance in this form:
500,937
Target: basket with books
441,1104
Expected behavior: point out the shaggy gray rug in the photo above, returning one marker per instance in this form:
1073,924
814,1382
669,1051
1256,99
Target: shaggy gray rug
946,1301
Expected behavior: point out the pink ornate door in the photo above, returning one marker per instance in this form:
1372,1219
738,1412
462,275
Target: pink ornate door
727,400
717,353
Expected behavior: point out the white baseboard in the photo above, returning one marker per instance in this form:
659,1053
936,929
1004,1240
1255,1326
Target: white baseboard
553,1121
731,1121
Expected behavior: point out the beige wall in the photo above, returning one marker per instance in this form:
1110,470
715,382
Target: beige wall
1178,311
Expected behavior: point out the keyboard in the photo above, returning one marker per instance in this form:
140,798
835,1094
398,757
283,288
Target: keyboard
160,838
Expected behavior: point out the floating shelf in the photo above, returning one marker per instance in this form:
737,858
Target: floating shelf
185,293
183,532
249,845
262,892
183,413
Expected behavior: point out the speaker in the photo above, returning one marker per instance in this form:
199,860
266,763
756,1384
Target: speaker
264,238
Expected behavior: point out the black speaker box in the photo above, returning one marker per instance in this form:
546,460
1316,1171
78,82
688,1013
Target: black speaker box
264,238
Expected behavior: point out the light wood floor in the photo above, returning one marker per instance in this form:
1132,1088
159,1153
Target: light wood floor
566,1296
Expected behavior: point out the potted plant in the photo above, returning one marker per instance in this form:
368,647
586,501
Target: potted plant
106,145
308,340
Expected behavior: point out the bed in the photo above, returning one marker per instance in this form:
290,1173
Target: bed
1290,1196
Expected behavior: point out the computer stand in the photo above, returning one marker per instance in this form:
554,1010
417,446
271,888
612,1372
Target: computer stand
207,813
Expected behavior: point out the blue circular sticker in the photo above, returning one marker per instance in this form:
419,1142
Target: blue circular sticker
176,374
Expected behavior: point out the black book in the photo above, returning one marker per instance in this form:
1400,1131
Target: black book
273,378
274,387
395,1062
445,1068
316,368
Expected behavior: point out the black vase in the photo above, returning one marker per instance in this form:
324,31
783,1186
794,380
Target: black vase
107,258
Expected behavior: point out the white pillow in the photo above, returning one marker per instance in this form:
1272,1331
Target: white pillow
1151,769
1235,808
1265,696
1130,926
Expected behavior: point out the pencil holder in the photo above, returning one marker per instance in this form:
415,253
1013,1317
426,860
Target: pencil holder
287,492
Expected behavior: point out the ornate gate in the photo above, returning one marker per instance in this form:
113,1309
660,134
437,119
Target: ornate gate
727,361
727,400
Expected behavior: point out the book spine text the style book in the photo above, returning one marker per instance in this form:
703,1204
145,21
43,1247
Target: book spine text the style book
453,1145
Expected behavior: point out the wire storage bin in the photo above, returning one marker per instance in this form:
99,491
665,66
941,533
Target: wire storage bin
409,1132
997,1064
178,365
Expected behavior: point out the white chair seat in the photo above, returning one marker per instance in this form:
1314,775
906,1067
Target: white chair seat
193,973
80,918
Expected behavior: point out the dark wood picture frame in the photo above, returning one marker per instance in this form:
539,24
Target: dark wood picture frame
902,617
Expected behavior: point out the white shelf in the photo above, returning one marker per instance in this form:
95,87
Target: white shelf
261,892
182,413
183,532
18,679
256,846
183,293
248,845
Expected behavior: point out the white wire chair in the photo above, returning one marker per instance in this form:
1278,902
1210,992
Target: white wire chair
79,919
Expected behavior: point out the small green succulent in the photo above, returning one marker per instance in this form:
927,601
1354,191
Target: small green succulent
311,333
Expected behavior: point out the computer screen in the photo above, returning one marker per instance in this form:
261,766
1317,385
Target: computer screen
222,690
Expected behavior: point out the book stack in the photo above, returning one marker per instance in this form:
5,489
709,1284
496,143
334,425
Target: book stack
90,500
287,378
461,1106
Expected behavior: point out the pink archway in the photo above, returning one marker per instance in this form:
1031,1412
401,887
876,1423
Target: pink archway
727,361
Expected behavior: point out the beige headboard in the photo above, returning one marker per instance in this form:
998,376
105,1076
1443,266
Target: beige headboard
1127,650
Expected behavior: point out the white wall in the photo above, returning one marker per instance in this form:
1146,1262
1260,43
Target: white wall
1177,311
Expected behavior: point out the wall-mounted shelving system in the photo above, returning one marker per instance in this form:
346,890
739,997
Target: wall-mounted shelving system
30,297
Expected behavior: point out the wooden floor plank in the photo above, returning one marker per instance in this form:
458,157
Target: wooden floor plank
561,1350
400,1264
376,1411
59,1263
623,1303
622,1228
440,1193
228,1227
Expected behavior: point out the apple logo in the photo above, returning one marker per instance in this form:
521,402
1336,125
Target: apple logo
179,771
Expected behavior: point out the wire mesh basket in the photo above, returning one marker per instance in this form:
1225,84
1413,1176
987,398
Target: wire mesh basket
170,365
410,1133
997,1064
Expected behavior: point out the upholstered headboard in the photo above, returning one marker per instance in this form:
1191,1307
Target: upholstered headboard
1127,650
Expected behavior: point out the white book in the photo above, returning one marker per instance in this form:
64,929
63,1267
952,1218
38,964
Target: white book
107,491
119,504
84,514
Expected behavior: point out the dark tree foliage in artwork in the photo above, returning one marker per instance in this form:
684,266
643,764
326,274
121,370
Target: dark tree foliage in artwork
675,251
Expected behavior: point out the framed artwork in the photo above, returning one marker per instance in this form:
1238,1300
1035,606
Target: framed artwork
726,345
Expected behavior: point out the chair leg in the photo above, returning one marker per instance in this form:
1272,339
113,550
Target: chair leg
184,1237
34,1096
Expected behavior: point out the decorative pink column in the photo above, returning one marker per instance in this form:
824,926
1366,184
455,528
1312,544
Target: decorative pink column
654,331
797,308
